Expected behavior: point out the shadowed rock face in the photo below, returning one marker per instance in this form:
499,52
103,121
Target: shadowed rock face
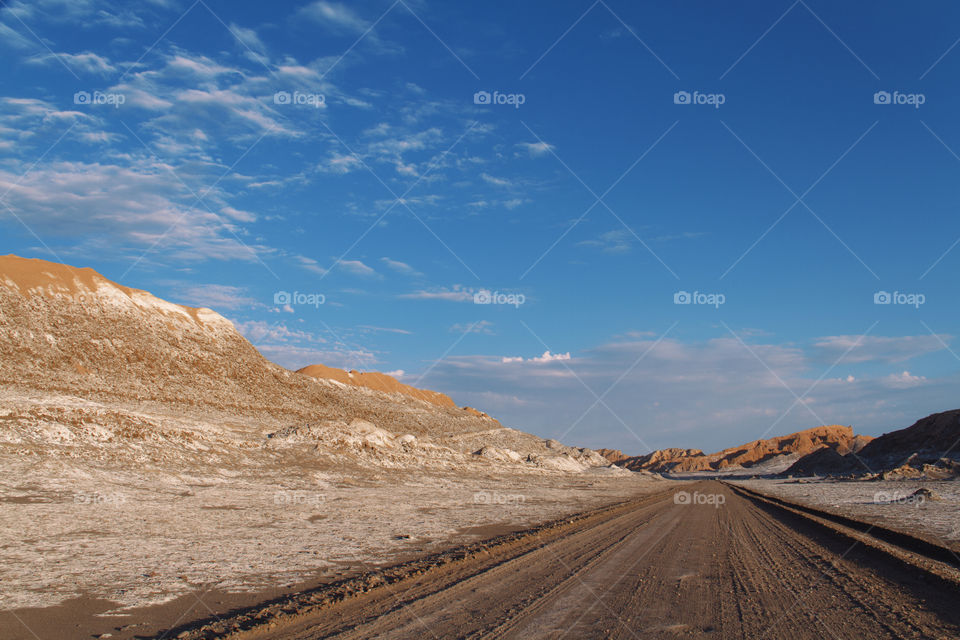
837,438
934,440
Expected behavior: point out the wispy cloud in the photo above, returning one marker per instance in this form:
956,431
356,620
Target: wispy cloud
216,296
481,326
334,15
616,241
535,149
541,359
87,62
358,268
880,348
457,293
400,267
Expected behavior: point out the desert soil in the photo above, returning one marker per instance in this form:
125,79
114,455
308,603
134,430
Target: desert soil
648,568
131,556
889,503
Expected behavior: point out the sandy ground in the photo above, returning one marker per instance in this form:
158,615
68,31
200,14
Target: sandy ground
139,541
705,563
888,503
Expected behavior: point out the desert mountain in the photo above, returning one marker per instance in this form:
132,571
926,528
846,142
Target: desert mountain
834,437
377,381
933,441
158,441
72,334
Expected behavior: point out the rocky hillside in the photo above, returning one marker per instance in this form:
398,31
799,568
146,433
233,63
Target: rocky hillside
70,334
377,381
836,438
931,446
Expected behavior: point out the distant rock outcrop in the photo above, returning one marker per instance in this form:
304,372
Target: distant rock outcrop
613,455
836,438
930,447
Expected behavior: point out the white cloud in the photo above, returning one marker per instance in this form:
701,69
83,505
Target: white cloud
14,39
248,37
481,326
257,331
83,13
495,181
616,241
536,148
385,330
239,216
903,379
341,163
334,15
400,267
216,296
295,348
83,62
117,209
879,348
546,357
358,268
310,265
457,293
706,394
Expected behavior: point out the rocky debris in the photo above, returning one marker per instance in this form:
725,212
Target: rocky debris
502,455
925,494
903,472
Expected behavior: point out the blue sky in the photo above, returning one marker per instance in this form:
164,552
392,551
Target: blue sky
584,163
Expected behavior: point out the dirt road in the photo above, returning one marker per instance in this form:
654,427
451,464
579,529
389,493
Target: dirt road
714,563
